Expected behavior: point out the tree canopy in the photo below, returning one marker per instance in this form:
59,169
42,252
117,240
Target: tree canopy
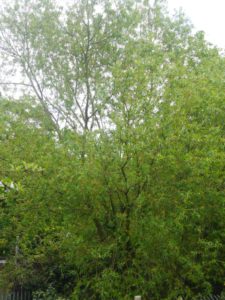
112,158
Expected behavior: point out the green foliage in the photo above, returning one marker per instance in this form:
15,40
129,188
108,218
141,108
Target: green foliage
112,162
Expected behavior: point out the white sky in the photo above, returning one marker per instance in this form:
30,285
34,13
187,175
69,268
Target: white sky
206,15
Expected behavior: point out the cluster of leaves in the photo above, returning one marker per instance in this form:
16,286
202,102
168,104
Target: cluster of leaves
112,162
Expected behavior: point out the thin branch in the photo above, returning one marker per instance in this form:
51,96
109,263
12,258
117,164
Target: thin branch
16,83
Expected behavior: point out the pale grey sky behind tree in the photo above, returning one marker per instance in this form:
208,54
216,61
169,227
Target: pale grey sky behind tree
206,15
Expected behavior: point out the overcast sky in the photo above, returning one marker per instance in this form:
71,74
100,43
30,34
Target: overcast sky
206,15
